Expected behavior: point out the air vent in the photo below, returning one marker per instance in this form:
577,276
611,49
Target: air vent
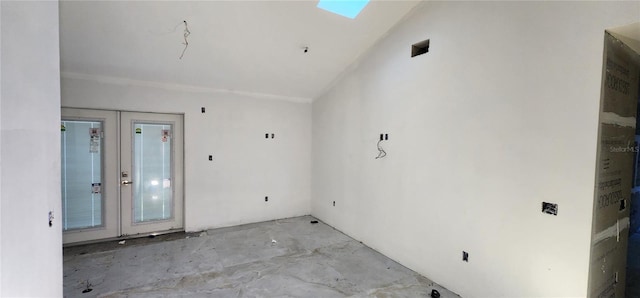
420,48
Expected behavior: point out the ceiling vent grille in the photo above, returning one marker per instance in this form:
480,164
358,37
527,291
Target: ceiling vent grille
420,48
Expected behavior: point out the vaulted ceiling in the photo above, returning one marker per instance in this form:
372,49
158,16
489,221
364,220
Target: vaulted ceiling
629,34
243,46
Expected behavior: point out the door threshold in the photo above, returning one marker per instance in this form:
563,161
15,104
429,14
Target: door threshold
162,236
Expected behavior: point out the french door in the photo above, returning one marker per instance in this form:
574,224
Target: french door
122,174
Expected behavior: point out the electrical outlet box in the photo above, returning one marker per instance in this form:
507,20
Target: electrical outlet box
202,110
465,256
550,208
266,199
334,203
210,157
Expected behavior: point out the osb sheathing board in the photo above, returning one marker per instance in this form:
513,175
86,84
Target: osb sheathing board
616,152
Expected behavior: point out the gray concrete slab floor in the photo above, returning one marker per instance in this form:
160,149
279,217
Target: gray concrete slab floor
305,260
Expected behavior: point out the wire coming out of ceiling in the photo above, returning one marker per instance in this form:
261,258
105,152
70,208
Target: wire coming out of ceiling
186,42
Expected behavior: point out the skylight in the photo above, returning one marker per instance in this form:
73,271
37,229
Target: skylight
346,8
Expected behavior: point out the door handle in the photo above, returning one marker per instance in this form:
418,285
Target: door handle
126,182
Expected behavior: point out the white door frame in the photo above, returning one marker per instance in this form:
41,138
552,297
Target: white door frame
110,195
176,222
117,221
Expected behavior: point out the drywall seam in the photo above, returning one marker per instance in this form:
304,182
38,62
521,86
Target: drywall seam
179,87
613,118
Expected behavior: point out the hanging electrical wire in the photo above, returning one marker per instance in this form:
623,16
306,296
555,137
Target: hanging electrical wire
381,152
186,34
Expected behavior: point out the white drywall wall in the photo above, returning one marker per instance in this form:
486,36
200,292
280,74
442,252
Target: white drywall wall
230,190
31,251
0,150
499,116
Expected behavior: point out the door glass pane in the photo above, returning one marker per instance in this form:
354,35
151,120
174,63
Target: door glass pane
81,174
152,160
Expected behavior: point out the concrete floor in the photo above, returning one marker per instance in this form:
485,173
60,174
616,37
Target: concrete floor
306,260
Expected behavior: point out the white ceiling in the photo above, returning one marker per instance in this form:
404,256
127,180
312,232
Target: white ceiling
236,46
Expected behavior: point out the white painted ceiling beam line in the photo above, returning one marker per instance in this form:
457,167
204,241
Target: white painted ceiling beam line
178,87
